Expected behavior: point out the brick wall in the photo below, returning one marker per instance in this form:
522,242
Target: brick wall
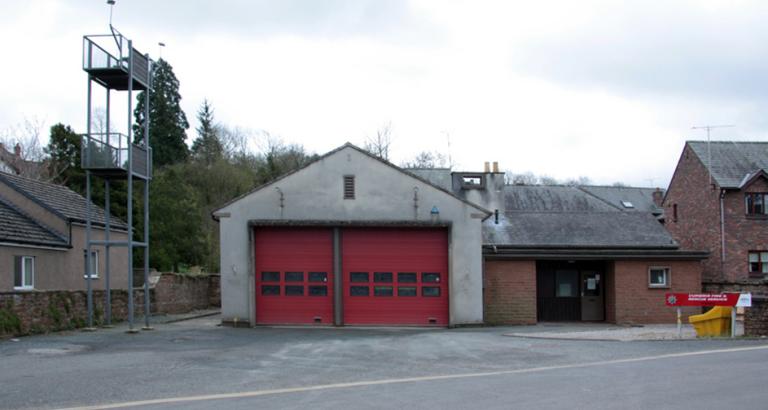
697,226
698,223
636,303
509,292
214,290
177,293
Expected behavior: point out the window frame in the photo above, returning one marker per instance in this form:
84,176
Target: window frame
95,263
23,273
667,277
749,206
760,262
348,186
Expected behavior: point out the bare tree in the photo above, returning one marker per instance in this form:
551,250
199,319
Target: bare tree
22,152
527,178
580,181
379,144
427,159
234,140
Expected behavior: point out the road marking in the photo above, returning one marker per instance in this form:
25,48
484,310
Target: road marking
257,393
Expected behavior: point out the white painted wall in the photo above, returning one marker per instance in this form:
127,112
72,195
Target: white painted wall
383,193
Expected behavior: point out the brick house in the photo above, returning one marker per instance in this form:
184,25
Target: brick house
42,238
717,201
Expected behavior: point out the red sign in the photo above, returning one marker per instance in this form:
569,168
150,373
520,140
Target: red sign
701,299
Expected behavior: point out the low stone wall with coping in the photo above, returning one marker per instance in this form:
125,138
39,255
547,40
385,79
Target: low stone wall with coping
755,317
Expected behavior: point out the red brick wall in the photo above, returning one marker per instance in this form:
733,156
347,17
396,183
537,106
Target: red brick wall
698,211
698,223
610,293
509,292
635,302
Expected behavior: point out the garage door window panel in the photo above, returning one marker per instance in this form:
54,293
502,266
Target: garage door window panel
382,291
406,277
358,277
294,276
430,277
292,290
382,277
430,291
406,291
270,276
270,290
318,291
358,291
318,277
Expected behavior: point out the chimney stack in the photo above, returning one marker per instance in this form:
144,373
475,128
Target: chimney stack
487,167
17,150
658,197
495,167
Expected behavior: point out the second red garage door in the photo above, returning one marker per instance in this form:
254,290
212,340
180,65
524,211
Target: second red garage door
395,276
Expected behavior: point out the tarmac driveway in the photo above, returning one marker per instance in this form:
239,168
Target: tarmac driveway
198,357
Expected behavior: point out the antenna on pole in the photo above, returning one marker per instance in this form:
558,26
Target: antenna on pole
709,128
161,45
111,7
448,140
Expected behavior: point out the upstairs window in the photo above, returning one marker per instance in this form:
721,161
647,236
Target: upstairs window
758,263
755,203
349,187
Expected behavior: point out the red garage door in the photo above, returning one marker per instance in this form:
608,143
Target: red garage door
395,276
294,275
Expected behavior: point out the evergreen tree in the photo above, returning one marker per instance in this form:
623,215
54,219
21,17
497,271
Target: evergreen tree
64,152
207,146
168,123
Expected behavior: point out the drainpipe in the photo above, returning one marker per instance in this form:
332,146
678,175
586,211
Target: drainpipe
722,235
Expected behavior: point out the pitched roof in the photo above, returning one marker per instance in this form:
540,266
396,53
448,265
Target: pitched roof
641,199
366,153
731,160
576,217
59,199
16,227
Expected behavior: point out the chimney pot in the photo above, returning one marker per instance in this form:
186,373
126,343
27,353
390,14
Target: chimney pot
487,167
495,167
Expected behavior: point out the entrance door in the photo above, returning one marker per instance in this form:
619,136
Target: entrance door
592,306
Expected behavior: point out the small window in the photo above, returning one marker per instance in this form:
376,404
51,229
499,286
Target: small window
382,291
94,264
358,277
349,187
658,277
758,263
24,272
674,212
472,181
756,203
318,277
382,277
318,291
358,291
430,291
430,277
294,276
627,204
270,276
294,291
406,277
406,290
270,290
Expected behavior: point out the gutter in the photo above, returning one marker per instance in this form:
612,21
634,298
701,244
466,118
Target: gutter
495,253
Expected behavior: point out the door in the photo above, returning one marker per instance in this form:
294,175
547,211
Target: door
592,302
294,275
395,276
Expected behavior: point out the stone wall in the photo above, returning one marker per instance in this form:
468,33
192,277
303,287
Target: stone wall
23,313
755,317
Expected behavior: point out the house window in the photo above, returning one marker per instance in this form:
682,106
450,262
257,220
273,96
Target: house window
475,181
755,203
94,264
758,263
24,272
349,187
658,277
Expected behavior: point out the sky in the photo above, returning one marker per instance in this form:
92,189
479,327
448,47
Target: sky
609,90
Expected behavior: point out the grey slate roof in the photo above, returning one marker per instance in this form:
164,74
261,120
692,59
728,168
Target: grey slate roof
437,176
59,199
572,217
732,160
15,227
641,198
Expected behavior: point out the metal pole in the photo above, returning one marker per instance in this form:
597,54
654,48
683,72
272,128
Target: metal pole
130,189
679,324
89,289
107,287
146,202
733,322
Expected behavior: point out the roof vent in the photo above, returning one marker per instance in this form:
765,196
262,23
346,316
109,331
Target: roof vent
627,204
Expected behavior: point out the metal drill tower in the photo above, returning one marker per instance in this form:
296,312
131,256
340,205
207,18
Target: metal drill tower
111,62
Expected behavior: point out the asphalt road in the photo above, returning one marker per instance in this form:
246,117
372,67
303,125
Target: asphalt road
183,364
